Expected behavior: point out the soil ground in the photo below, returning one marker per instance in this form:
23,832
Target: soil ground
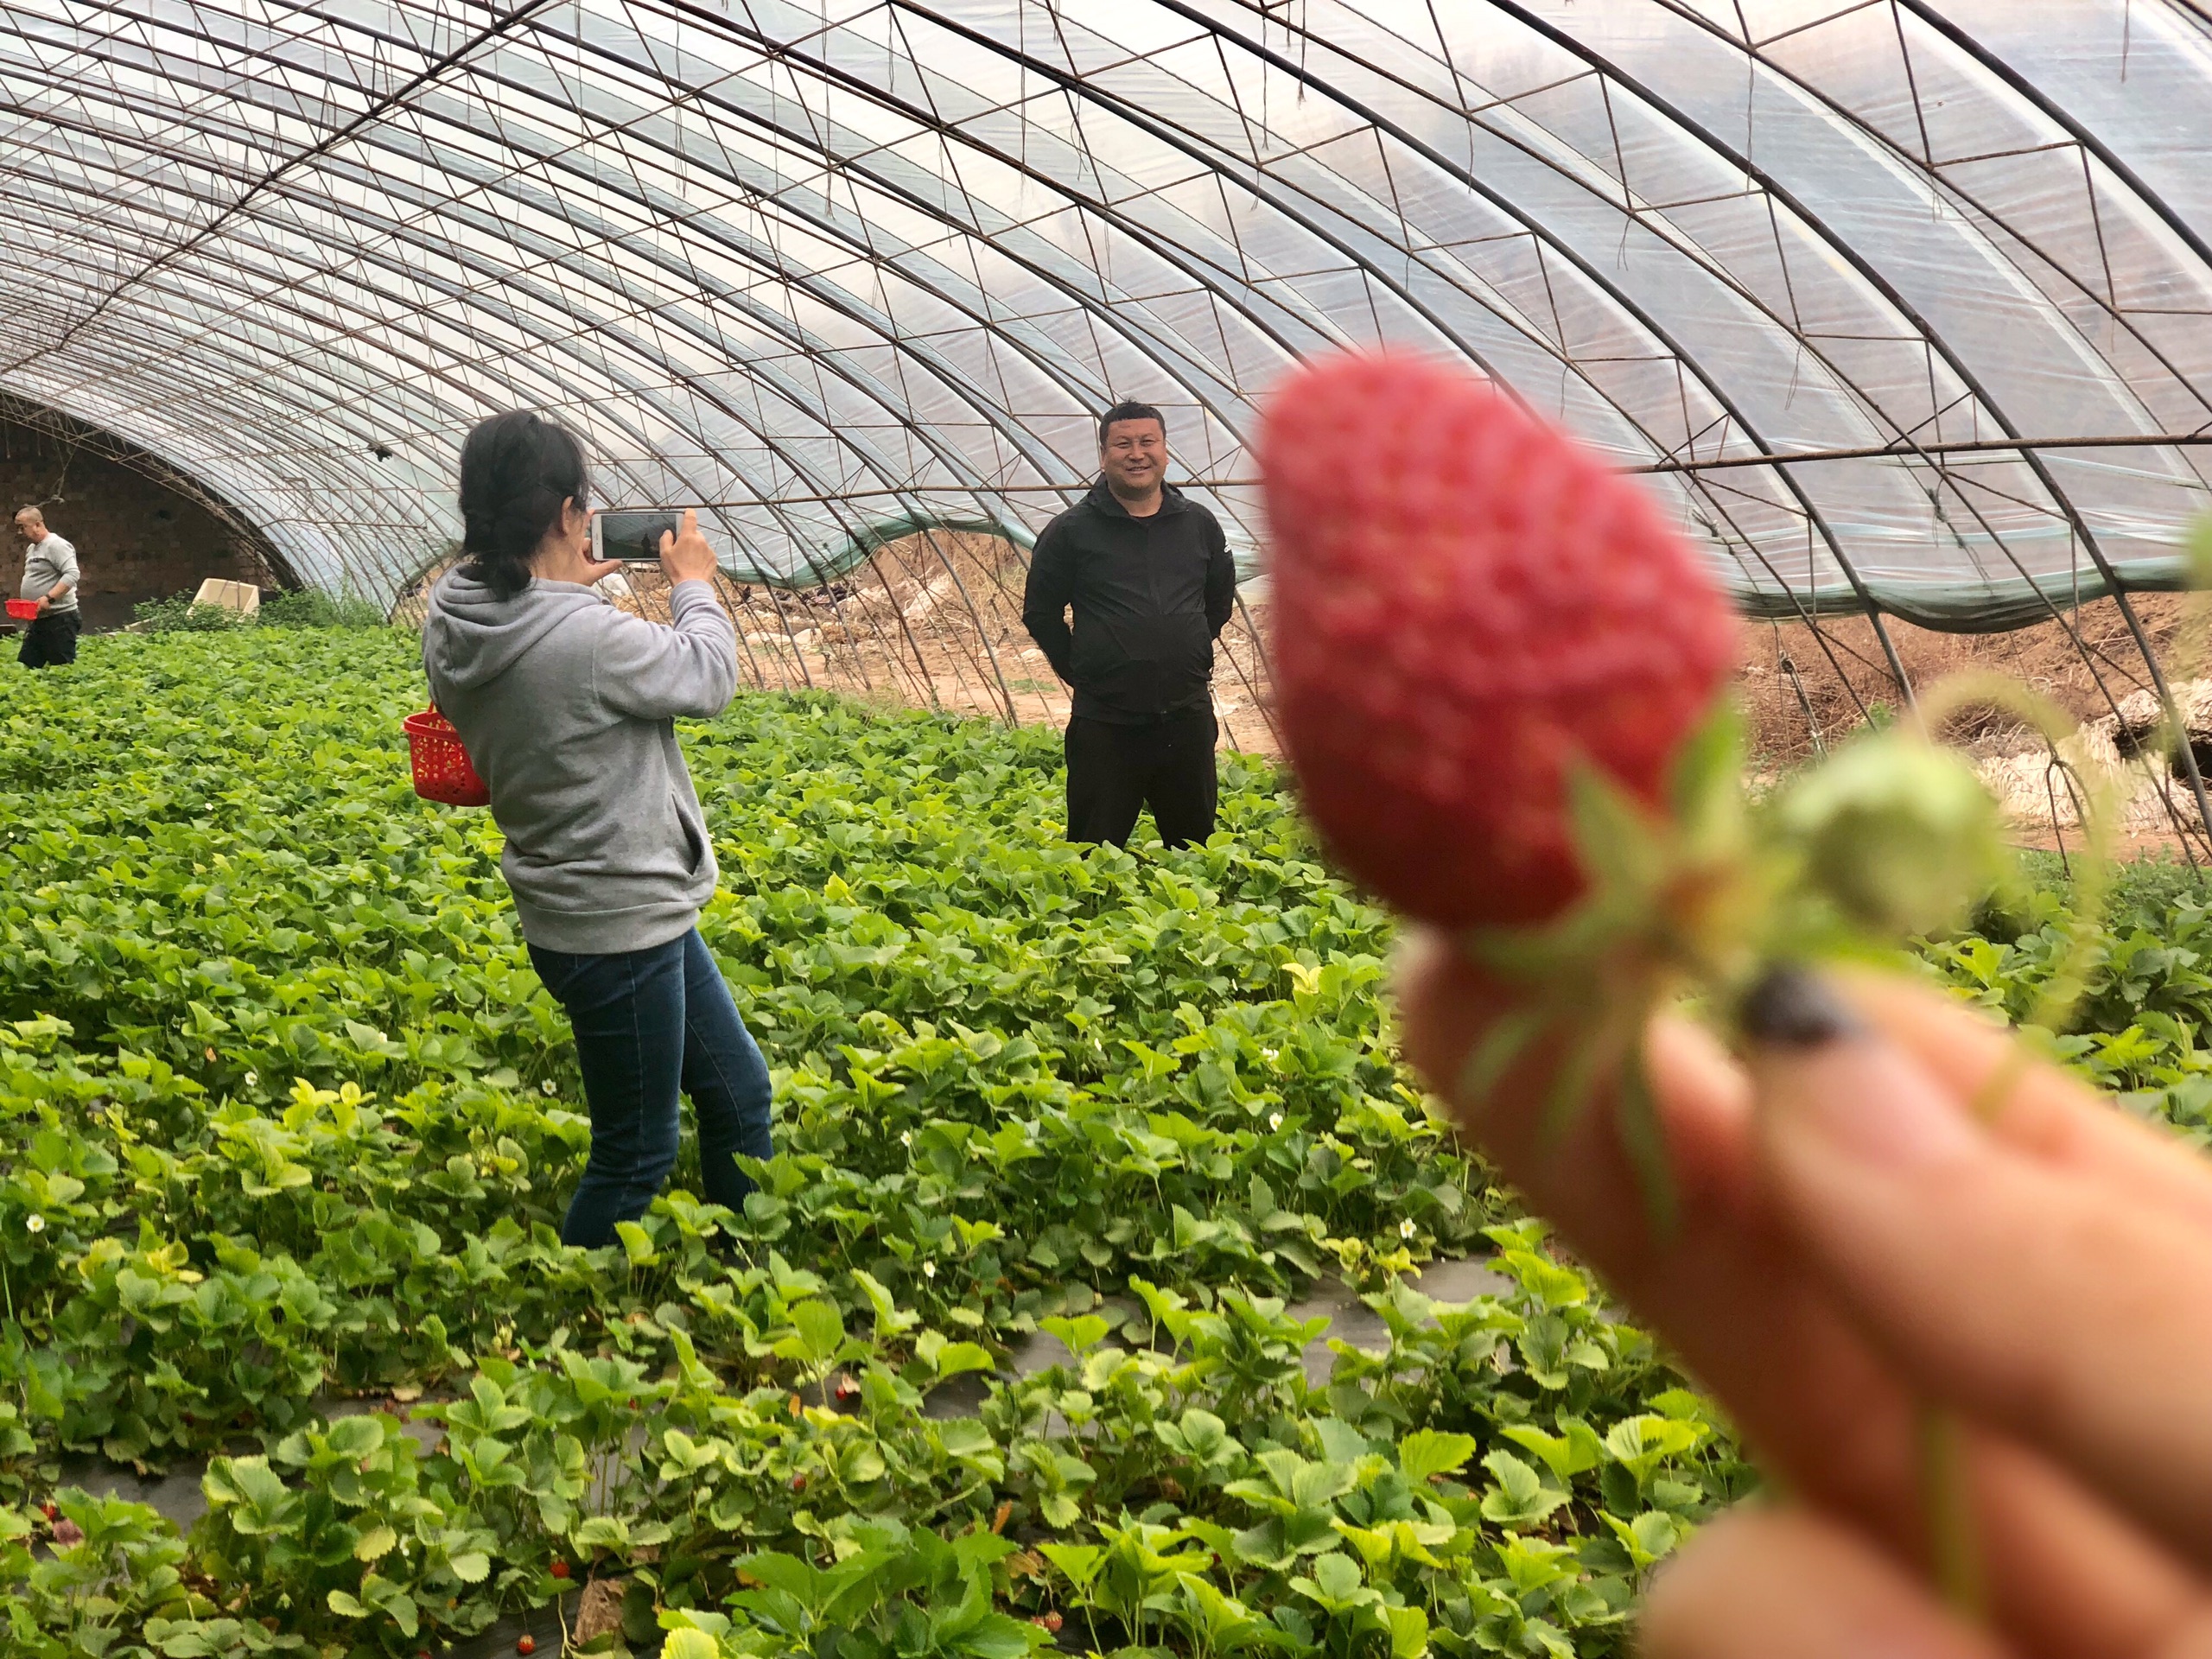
934,620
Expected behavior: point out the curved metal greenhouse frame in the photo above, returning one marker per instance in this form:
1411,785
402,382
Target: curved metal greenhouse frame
1901,304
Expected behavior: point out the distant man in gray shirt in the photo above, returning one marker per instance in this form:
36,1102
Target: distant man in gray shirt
50,580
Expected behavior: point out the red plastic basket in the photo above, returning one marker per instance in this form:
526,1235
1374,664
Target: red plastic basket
24,610
443,769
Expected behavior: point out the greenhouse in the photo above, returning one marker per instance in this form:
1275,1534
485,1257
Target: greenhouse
1116,1283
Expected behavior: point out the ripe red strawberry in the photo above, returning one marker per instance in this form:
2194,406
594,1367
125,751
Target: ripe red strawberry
1464,602
525,1645
560,1569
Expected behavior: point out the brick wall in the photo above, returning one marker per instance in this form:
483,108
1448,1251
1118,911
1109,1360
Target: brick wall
136,539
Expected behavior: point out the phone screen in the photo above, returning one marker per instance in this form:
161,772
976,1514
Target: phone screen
633,532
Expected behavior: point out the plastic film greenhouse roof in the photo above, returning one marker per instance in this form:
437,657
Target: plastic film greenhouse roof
832,266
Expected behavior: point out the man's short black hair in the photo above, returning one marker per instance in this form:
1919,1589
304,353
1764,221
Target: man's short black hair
1129,412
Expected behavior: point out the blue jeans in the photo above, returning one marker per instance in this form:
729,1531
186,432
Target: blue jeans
646,1023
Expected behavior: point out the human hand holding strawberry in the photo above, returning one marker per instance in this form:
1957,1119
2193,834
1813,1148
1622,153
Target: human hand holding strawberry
1500,675
1857,1239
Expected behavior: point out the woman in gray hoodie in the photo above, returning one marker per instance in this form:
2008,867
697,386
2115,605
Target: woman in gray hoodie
567,707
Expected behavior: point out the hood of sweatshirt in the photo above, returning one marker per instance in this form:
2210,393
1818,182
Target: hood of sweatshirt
472,636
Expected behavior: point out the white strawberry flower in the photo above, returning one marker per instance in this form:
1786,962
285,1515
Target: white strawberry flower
35,1224
550,1088
906,1137
253,1080
1275,1120
1406,1229
929,1270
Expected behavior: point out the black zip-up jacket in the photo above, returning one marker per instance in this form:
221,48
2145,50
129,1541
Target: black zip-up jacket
1149,596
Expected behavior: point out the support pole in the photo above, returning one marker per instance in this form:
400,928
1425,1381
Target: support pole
1896,663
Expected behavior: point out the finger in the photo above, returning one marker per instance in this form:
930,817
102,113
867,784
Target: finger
2038,1108
2066,1574
1762,1584
600,568
690,522
1702,1096
1727,1286
1735,1297
2045,1303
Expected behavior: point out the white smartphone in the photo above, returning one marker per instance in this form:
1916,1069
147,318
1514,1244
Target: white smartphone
633,533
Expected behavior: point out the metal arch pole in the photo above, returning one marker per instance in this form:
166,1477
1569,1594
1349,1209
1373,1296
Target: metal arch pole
873,560
917,510
966,598
2034,95
2187,750
1590,273
730,600
2032,459
1260,652
823,582
1861,124
1192,150
151,463
1126,229
810,350
1897,663
922,677
376,111
1743,164
891,664
250,416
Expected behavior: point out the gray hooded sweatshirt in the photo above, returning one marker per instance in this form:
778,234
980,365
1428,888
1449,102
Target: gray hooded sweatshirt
568,705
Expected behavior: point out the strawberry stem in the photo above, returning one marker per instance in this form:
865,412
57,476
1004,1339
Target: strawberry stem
1954,1556
1642,1138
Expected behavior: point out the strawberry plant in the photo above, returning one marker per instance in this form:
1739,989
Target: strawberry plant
286,1123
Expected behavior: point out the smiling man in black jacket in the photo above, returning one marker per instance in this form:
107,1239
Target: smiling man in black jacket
1148,577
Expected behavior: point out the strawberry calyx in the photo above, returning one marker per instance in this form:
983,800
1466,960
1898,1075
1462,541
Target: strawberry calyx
1670,902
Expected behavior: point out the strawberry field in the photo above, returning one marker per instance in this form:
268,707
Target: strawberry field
288,1123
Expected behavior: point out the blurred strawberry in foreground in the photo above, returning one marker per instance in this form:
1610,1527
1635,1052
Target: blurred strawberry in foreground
1467,605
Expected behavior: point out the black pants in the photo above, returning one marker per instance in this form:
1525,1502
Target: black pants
50,640
1115,771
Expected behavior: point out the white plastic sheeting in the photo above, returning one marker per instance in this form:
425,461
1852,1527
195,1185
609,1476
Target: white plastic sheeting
845,262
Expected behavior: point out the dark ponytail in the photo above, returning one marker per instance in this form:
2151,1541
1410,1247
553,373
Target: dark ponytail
516,470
